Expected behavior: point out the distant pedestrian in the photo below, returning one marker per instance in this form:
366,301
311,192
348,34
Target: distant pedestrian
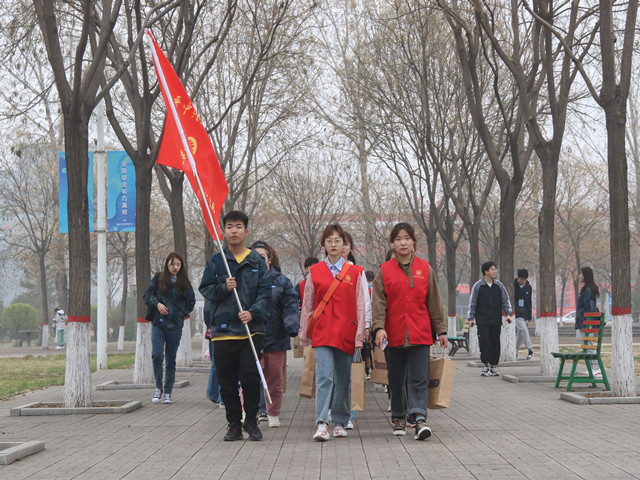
171,294
283,323
522,299
308,262
334,329
60,322
487,301
587,304
407,312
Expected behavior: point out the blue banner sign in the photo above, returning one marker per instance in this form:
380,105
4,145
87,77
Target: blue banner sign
121,192
64,189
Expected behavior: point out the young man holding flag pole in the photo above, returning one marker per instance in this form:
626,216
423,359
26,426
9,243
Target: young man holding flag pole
173,150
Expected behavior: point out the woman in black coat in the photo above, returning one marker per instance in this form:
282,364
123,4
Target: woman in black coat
171,295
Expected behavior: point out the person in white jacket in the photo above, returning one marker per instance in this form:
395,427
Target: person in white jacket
60,321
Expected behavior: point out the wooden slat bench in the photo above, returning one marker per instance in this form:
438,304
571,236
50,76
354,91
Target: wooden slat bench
591,332
461,341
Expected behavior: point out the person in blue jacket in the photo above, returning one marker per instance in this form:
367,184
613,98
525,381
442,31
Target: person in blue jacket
171,295
232,354
283,323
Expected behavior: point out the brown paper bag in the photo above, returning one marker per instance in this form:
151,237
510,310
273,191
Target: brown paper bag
308,381
298,350
379,372
357,386
442,371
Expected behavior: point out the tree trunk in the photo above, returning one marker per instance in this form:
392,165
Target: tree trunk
474,346
121,337
474,250
623,376
508,341
176,205
143,367
77,384
77,375
548,329
546,250
43,293
62,290
369,220
123,301
45,335
184,357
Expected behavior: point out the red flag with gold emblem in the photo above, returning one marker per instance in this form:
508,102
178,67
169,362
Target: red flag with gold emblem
183,126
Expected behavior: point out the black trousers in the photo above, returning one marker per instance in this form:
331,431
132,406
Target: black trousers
235,362
489,342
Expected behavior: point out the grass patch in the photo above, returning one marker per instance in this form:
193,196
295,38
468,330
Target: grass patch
29,373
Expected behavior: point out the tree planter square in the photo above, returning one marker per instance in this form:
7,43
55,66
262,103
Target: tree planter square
40,408
12,451
128,385
601,397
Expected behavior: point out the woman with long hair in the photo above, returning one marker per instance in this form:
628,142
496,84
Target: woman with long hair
332,320
407,312
283,322
587,304
171,295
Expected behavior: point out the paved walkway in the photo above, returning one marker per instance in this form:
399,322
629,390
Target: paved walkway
493,429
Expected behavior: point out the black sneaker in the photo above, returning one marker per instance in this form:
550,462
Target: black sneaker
493,371
234,432
422,431
262,417
485,370
254,432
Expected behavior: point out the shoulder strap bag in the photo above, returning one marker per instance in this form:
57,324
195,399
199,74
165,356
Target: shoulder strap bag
327,296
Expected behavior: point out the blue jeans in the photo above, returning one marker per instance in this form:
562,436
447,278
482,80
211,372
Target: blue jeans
333,373
165,342
213,387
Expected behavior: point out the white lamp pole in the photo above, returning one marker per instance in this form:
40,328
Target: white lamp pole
102,241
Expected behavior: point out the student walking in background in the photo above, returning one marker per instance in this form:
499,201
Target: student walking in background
335,328
522,299
171,294
487,301
407,311
283,323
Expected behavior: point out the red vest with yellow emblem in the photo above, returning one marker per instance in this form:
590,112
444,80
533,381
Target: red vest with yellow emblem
407,307
338,323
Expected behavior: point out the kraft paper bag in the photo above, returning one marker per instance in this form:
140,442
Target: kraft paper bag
379,372
357,386
442,371
298,350
308,381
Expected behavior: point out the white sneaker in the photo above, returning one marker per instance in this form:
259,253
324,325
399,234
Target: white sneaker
349,425
167,398
597,374
157,395
274,421
339,431
322,434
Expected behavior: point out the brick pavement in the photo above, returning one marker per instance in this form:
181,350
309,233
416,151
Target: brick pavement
493,429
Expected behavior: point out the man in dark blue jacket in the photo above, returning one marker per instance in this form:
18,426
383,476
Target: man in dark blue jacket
522,299
232,354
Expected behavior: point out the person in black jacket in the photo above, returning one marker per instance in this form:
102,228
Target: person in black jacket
487,301
283,323
233,354
171,295
522,296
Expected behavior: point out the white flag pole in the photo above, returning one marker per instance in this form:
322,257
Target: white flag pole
185,144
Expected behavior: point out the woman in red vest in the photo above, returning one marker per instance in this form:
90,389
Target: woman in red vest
407,312
332,320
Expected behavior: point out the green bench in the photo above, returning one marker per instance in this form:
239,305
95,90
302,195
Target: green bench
460,342
591,332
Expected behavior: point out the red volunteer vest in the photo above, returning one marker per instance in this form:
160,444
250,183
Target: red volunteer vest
407,307
301,288
338,323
